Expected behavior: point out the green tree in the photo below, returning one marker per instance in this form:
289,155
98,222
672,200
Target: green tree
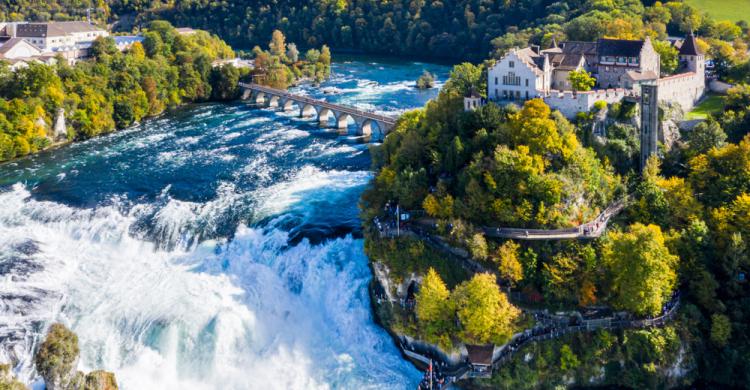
641,270
464,78
667,56
581,80
568,359
483,311
705,136
103,46
426,80
721,329
325,55
225,80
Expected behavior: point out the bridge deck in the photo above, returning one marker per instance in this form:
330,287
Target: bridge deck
320,103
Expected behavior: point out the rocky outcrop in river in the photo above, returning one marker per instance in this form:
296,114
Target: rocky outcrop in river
57,359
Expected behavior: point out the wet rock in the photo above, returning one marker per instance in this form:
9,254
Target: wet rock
7,381
57,358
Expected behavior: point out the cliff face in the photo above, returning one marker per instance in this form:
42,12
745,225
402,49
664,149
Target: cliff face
57,360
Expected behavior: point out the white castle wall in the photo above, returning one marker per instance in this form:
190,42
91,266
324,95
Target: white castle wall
570,104
684,89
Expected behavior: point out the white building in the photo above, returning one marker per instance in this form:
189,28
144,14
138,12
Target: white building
619,66
59,36
520,75
16,48
69,39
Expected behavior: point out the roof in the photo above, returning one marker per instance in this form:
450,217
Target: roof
53,29
619,47
566,61
480,354
13,42
473,94
690,46
577,47
640,76
184,30
531,58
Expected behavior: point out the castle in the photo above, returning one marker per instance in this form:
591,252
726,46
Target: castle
619,66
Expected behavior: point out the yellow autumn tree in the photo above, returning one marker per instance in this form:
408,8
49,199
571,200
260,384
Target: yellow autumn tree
508,265
484,313
433,307
641,270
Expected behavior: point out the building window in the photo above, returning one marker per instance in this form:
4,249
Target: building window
527,94
527,83
495,80
511,79
511,64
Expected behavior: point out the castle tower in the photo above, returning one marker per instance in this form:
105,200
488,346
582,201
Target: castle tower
649,121
693,60
691,57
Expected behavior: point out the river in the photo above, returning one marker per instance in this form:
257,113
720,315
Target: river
214,247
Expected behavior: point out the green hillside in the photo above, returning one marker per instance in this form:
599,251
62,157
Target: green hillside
724,9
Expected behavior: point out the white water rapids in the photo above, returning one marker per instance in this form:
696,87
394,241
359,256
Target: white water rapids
251,313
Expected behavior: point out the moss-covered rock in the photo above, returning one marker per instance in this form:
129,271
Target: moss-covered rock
7,381
100,380
57,358
56,362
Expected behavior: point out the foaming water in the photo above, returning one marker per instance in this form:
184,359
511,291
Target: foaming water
215,247
253,312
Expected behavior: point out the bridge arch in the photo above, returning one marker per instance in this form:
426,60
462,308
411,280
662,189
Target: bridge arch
288,105
260,98
273,102
307,110
246,94
324,114
342,120
372,128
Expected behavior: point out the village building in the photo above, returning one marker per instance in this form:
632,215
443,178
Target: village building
44,41
619,66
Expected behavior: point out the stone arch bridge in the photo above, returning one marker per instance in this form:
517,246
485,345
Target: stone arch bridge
367,123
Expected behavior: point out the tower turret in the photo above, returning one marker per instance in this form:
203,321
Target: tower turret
691,57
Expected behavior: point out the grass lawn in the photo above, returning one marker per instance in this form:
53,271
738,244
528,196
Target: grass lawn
733,10
710,105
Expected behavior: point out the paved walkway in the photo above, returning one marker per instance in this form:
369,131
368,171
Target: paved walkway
590,229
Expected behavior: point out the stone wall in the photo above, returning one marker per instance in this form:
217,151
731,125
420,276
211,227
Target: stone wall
570,104
684,89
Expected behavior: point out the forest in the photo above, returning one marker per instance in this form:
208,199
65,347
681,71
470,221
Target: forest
451,29
113,90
